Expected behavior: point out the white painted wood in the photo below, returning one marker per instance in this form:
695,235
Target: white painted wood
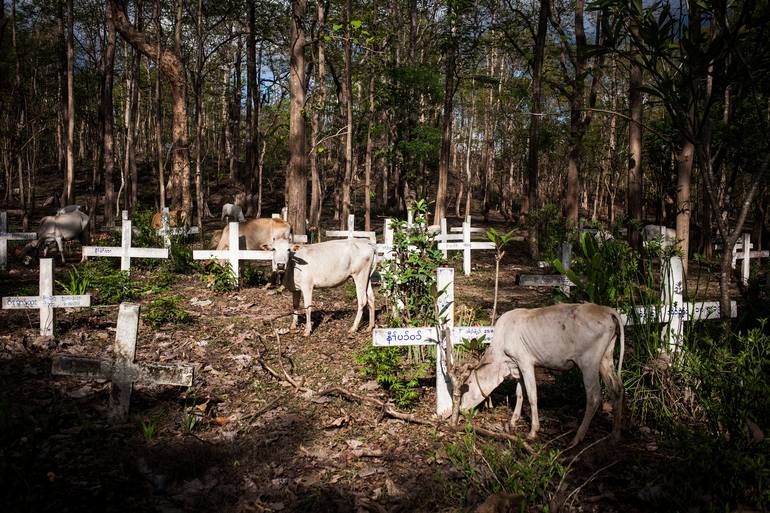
351,232
167,231
5,236
123,371
233,254
45,302
125,252
466,246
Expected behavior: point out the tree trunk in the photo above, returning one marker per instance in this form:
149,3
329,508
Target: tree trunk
369,158
108,129
635,178
235,156
347,92
684,166
170,62
69,179
252,98
199,120
316,125
445,156
296,176
159,114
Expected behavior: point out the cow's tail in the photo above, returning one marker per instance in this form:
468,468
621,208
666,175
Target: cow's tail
616,316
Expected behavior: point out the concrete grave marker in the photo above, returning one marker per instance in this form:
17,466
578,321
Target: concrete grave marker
233,253
123,371
46,302
167,231
125,252
552,280
5,236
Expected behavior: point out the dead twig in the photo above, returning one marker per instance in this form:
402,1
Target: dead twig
590,478
386,408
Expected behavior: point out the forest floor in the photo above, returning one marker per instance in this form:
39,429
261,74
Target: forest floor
242,440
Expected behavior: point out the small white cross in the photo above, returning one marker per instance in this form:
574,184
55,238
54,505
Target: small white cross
351,233
167,231
466,246
125,252
6,236
233,254
46,301
123,371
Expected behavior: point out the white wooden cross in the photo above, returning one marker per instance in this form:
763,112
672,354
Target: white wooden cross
552,280
466,246
6,236
385,250
351,233
46,301
742,251
674,311
123,371
167,231
125,252
427,336
233,253
283,215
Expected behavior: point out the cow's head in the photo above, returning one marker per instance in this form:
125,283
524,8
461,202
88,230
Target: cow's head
282,250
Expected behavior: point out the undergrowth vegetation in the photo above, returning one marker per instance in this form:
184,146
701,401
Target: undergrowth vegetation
164,310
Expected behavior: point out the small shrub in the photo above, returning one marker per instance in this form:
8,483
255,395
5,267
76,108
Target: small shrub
149,427
112,286
161,280
491,469
165,310
219,277
180,258
253,277
77,285
385,365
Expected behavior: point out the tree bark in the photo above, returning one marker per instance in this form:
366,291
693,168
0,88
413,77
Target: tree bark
297,170
159,114
252,98
635,178
170,62
199,120
369,157
235,156
69,178
108,130
445,155
347,92
316,192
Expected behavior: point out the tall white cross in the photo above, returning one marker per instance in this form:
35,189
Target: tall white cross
351,233
427,336
125,252
167,231
742,251
233,254
466,246
123,371
6,236
46,301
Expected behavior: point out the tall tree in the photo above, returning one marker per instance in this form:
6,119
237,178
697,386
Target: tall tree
445,155
170,63
69,178
108,120
296,175
635,177
347,94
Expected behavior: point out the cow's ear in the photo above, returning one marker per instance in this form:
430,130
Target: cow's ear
266,247
295,247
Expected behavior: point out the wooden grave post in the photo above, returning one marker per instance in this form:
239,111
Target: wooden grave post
426,336
233,254
125,252
46,302
5,236
167,231
123,371
351,233
742,251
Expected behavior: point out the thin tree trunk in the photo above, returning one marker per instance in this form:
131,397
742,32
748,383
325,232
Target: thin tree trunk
635,178
347,92
159,114
199,121
69,179
108,130
316,124
445,155
235,156
297,169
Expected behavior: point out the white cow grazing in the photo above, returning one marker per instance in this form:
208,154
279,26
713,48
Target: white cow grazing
232,212
652,231
68,226
325,265
556,337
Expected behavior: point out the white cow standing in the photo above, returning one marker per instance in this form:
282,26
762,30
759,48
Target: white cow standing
70,225
325,265
556,337
232,212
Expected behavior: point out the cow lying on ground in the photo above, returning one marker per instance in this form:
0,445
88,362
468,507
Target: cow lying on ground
556,337
652,231
175,218
232,212
257,233
325,265
59,228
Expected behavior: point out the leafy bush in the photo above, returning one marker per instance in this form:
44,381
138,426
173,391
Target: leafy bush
490,469
77,285
254,277
409,278
180,258
219,277
161,280
385,364
111,286
164,310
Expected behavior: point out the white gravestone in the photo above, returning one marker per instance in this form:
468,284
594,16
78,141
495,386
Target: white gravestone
125,252
552,280
427,336
351,233
46,301
167,231
233,253
123,371
5,236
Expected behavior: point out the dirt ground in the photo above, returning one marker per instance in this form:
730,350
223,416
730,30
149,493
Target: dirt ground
241,440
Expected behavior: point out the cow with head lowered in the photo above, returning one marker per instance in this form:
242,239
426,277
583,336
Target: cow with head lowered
325,265
256,234
70,225
555,337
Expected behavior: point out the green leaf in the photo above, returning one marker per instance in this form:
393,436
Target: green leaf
356,24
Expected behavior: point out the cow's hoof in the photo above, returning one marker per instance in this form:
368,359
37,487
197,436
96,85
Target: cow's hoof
532,435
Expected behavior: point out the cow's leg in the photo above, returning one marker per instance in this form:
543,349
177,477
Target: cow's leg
615,388
307,298
517,409
295,309
528,376
361,293
593,397
370,302
60,245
